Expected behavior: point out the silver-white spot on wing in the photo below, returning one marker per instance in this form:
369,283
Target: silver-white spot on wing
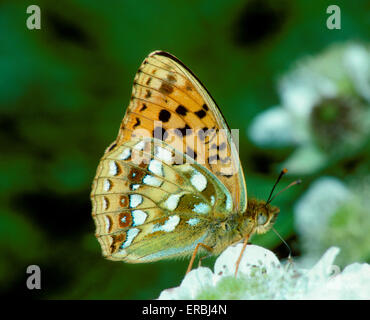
193,221
130,236
135,200
172,202
105,203
135,186
126,153
168,226
139,217
156,167
152,181
113,169
107,185
229,202
107,225
199,181
163,154
201,208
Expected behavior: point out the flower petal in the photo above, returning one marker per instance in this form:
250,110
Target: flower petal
274,127
352,283
305,160
314,208
302,88
195,281
357,61
253,257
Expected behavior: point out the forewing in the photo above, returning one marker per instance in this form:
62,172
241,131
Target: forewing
168,102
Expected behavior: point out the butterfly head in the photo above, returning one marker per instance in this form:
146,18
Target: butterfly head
262,214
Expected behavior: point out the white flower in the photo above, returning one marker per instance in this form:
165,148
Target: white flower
332,214
276,126
201,278
314,209
262,276
312,213
352,283
254,256
324,109
194,282
357,63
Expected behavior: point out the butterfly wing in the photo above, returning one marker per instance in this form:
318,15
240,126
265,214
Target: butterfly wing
172,175
146,198
168,102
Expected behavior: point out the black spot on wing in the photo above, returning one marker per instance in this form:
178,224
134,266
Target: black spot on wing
182,132
143,107
148,94
191,153
213,159
181,110
201,113
137,122
164,115
221,147
112,147
202,133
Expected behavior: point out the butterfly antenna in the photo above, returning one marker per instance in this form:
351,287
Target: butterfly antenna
282,239
287,187
284,171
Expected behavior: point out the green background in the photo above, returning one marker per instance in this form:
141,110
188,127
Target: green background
64,90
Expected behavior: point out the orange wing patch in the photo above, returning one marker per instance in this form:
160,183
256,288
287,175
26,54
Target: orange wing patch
169,103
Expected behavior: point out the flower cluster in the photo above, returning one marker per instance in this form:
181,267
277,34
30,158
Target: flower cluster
262,276
325,114
330,213
324,109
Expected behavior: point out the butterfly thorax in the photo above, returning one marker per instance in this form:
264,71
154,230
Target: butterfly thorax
258,218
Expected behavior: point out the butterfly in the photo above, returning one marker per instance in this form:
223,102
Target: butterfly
171,184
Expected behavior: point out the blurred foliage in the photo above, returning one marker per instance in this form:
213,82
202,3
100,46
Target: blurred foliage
64,90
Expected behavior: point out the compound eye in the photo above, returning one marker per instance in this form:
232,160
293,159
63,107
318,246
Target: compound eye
261,218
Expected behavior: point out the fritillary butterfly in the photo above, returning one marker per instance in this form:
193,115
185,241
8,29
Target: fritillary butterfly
171,184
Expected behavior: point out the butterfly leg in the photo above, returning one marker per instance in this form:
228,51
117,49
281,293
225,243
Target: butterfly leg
195,253
201,258
241,254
